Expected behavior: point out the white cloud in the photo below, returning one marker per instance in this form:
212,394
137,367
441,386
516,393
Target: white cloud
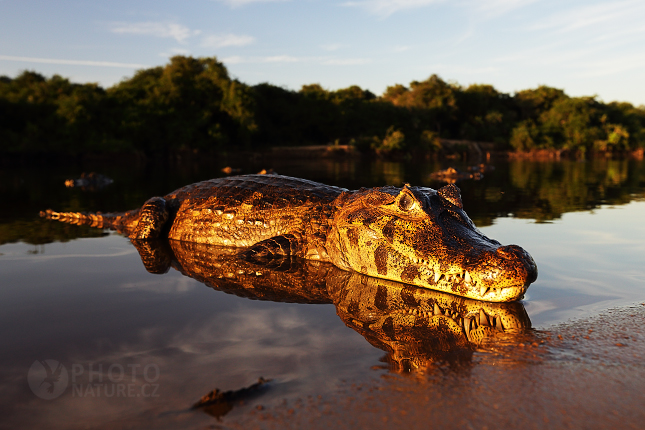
619,13
238,3
345,61
236,59
488,7
223,40
280,59
388,7
331,46
73,62
401,48
326,61
175,51
497,7
575,61
454,69
598,40
158,29
612,66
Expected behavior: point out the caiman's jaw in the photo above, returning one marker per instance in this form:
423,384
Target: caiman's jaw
499,274
423,237
502,275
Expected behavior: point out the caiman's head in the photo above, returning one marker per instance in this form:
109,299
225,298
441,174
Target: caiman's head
423,237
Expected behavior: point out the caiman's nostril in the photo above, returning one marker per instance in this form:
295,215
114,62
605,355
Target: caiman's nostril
510,251
514,252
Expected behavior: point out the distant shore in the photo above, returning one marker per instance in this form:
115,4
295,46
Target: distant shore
457,150
192,107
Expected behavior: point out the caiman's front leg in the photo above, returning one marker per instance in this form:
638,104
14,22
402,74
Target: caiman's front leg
153,216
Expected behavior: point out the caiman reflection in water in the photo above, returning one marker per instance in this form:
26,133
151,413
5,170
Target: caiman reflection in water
417,327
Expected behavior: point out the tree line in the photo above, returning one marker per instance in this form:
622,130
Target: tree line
192,104
532,190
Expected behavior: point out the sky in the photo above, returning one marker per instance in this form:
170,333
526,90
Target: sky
585,47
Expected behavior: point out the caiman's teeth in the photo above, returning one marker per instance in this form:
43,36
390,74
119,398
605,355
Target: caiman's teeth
467,322
483,291
483,320
467,276
436,310
449,277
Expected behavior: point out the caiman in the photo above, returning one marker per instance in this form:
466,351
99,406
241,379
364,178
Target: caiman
89,181
414,235
418,328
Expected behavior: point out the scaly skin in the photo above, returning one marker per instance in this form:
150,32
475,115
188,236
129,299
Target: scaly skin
423,237
417,327
413,235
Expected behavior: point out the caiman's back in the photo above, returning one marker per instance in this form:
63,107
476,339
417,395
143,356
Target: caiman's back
242,211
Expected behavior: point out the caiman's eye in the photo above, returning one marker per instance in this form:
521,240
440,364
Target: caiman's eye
406,202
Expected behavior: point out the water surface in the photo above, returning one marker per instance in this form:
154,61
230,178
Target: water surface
139,349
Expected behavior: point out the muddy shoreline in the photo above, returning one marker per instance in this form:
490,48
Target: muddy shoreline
583,374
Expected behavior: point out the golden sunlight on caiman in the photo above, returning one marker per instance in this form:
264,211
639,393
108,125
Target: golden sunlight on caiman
418,328
413,235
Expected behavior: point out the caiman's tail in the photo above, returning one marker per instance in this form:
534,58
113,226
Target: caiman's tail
144,223
113,221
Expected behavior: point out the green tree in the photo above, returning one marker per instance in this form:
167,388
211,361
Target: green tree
572,123
393,141
525,136
40,115
631,121
531,103
485,114
189,104
193,104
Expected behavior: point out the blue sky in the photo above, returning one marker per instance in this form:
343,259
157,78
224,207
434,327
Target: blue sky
583,47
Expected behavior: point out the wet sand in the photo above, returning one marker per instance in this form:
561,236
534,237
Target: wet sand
585,374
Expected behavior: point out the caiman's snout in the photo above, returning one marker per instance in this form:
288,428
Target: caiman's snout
517,254
502,274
